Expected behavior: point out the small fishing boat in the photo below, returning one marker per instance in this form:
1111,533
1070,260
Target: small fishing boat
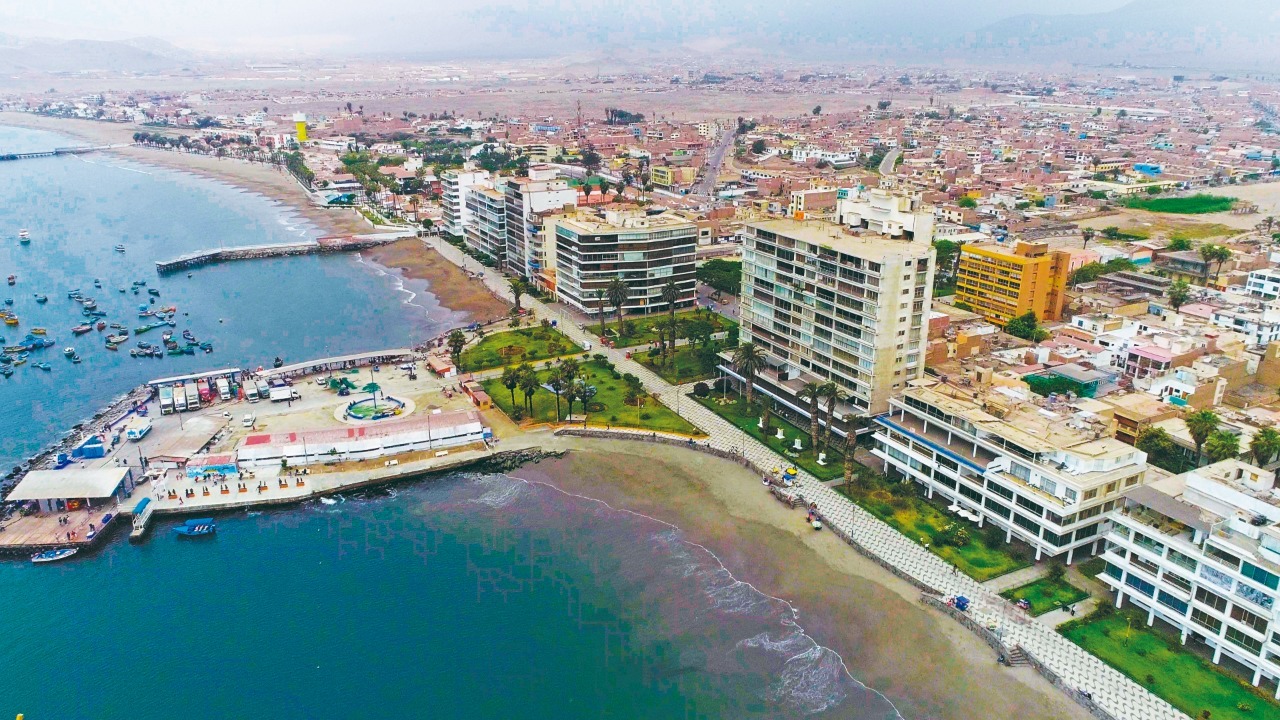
43,366
117,338
75,360
13,279
97,283
46,343
24,237
100,325
8,301
113,346
196,528
139,283
6,372
206,347
167,335
20,360
69,351
119,248
42,299
116,326
153,291
81,329
11,320
49,556
122,290
278,362
39,331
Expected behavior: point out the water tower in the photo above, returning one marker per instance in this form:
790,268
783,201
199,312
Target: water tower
300,122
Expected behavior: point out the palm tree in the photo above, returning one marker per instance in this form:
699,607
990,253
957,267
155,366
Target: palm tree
373,388
585,392
748,360
557,382
618,292
600,298
1222,445
1200,425
1211,253
831,392
766,415
528,385
1088,234
812,390
1264,446
670,294
848,459
511,380
518,287
673,331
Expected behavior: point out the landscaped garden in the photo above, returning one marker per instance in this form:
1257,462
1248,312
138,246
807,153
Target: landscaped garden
644,330
512,347
687,364
1155,658
618,400
1047,593
1198,204
734,408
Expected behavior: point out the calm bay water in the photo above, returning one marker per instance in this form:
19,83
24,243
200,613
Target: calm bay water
78,208
466,596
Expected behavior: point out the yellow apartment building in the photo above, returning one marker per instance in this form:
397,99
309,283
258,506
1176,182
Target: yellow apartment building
1001,283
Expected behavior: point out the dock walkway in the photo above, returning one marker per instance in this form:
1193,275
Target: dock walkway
301,247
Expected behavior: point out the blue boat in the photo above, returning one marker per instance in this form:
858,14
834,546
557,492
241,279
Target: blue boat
196,528
49,556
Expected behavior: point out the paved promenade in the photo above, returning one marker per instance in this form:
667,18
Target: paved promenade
1077,669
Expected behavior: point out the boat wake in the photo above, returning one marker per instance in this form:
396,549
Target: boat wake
697,624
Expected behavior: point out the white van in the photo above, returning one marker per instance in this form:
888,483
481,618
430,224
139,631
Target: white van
249,420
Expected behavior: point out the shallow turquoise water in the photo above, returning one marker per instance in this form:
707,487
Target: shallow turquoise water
78,208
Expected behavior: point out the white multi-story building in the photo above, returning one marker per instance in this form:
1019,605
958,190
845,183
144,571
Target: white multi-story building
828,303
1201,551
455,186
1042,471
527,199
837,158
1264,283
886,212
1260,324
486,229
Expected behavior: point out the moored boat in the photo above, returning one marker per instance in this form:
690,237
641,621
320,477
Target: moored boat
42,299
119,338
196,528
39,331
81,329
49,556
13,279
100,325
119,248
43,366
113,346
24,237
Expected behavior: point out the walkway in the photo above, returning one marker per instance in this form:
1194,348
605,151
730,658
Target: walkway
1076,668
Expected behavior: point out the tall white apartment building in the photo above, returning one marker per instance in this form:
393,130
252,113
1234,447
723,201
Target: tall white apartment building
1041,470
886,212
1201,551
455,185
486,228
527,200
828,303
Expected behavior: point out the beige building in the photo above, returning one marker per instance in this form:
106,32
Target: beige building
827,302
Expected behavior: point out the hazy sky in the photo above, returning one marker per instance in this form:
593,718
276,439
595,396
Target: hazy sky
436,27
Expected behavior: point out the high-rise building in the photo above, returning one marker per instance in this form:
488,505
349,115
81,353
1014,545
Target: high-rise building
527,200
1201,551
1038,468
486,228
455,185
645,250
828,303
1001,283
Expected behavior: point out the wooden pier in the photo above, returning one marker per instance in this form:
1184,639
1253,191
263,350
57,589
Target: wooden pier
302,247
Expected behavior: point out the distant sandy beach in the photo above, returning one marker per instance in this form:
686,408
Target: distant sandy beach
449,283
924,662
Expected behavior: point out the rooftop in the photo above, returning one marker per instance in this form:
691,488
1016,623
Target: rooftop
613,221
862,244
69,483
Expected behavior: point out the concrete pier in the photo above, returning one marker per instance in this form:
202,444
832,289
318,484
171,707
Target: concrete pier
302,247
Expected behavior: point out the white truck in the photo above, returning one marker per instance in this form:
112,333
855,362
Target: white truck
251,391
193,396
283,394
224,389
179,398
166,400
137,428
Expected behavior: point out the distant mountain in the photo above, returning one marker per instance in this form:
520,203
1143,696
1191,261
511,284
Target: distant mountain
48,55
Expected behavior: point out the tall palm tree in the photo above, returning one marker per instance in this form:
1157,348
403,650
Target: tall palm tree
511,380
813,391
600,299
848,459
1200,425
1264,445
529,385
518,287
618,293
670,294
557,382
831,392
748,360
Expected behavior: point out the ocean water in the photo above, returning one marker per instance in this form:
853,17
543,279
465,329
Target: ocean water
476,596
78,208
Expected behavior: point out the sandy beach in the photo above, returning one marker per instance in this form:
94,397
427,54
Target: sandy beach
924,662
449,283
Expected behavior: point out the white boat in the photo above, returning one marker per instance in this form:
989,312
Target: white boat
24,237
49,556
120,248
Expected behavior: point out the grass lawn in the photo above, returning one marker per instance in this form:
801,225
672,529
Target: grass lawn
642,330
513,347
1189,205
747,419
1154,658
684,366
606,407
1046,594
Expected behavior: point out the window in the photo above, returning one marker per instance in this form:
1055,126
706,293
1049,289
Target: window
1028,504
1172,602
1177,581
1071,495
1206,620
1113,571
1222,556
1087,531
1145,565
1026,524
1090,494
1181,560
1253,572
1000,490
1131,481
1140,585
1213,600
1239,639
1257,622
1111,487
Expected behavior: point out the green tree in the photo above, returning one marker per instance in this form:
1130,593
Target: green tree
1179,293
518,288
584,392
758,147
1264,446
831,392
670,296
511,380
372,388
748,360
601,297
817,110
1216,255
618,293
557,381
1160,448
1025,326
1178,244
967,202
456,342
1200,425
1222,445
528,386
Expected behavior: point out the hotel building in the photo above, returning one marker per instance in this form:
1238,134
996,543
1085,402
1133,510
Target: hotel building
645,250
1201,552
1001,283
1041,470
527,199
827,302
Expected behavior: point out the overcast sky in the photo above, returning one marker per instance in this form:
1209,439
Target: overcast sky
437,27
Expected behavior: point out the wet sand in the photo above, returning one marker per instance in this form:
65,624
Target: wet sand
924,662
449,283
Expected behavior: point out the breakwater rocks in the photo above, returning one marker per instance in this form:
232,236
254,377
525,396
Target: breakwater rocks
504,462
